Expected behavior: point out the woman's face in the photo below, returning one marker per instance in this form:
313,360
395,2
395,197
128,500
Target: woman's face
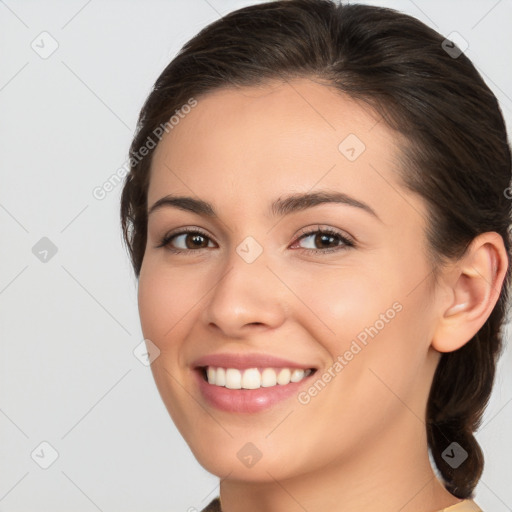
339,286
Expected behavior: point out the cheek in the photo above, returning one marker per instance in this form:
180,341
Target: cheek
164,298
165,303
383,308
338,303
386,344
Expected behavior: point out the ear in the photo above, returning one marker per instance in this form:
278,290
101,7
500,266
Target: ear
472,285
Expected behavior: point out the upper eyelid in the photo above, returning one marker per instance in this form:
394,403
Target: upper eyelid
302,232
322,229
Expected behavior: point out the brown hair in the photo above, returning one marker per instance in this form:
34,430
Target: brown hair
457,157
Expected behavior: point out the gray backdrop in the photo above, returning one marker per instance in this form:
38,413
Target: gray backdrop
73,76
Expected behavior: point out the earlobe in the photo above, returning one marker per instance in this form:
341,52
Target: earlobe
474,283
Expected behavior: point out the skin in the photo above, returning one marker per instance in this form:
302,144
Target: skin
362,439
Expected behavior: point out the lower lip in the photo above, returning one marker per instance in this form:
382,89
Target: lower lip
247,400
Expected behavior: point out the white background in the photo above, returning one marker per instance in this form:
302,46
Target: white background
68,375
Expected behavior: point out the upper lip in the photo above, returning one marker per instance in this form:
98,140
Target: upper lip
244,361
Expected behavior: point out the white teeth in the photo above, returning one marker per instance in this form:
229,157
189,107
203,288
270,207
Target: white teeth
220,377
233,378
284,376
251,378
268,378
297,375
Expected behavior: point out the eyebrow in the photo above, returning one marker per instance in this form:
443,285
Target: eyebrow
280,207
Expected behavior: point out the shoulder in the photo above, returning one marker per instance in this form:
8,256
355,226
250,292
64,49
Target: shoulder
463,506
214,506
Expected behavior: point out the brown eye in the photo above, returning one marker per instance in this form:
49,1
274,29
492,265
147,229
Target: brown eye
186,241
195,241
324,240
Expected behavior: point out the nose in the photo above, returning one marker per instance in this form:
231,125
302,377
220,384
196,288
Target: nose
246,296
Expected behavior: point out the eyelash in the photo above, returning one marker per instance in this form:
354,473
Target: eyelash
347,242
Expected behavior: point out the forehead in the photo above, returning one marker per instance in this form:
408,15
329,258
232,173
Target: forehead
303,113
246,144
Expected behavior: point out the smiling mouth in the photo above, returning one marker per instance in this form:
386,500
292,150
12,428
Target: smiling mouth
253,378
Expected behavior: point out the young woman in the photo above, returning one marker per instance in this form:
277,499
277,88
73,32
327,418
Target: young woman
317,213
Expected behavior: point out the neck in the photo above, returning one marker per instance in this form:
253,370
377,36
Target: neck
398,479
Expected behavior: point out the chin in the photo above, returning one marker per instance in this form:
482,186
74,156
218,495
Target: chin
244,462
